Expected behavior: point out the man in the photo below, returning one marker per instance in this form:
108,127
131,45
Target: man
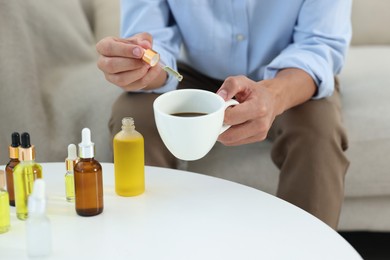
278,58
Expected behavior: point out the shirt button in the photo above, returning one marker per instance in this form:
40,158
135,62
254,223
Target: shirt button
240,37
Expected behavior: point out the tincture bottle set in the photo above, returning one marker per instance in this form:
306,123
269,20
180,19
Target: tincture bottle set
83,181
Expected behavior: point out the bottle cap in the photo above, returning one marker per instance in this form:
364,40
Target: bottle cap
86,147
151,57
37,201
26,150
72,157
14,147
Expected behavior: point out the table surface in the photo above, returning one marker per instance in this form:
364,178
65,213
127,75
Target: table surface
182,215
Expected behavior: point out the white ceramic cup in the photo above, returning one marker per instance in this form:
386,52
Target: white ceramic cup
190,138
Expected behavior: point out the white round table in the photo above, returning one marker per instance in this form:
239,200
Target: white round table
182,215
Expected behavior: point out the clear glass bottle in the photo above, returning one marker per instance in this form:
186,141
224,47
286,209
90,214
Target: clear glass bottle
9,168
88,179
129,163
24,175
4,211
38,230
70,162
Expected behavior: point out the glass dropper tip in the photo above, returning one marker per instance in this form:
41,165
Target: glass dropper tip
170,71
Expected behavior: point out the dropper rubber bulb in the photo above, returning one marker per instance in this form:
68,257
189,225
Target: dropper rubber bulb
72,152
26,140
15,139
86,147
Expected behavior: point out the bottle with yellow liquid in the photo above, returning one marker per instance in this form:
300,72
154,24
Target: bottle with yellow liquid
129,162
70,162
4,208
24,175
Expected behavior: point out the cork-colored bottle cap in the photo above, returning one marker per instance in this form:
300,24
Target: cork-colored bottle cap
151,57
26,150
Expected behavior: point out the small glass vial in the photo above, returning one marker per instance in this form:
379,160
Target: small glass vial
129,163
4,211
24,175
88,179
70,162
9,168
38,230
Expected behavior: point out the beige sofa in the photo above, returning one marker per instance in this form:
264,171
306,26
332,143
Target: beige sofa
50,86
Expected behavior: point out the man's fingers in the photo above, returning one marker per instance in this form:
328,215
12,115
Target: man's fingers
144,39
114,65
123,79
245,133
114,47
134,80
237,115
153,72
233,85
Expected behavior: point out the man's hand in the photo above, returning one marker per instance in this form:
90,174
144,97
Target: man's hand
122,64
253,117
260,102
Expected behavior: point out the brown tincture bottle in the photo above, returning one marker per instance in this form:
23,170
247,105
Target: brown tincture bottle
9,169
88,179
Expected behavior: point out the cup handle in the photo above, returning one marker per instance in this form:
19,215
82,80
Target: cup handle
228,103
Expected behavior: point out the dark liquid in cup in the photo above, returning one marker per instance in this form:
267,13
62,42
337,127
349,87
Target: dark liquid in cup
188,114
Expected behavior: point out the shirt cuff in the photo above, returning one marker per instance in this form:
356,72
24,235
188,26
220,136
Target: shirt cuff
314,65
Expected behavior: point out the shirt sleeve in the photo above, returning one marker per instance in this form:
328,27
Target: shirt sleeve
155,18
321,38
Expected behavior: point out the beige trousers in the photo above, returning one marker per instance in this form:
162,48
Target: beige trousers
308,145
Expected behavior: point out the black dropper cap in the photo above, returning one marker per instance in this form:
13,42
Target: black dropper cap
15,139
26,140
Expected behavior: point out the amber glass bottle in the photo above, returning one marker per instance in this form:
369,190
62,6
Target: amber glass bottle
88,179
9,169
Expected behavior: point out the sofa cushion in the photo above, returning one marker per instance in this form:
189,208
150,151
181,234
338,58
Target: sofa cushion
107,18
370,20
365,94
103,17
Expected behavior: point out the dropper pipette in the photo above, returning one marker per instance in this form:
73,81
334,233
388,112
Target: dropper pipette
153,58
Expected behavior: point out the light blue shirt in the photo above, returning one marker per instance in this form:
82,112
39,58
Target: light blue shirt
256,38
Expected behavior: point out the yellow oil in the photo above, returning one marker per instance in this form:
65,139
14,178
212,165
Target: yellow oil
24,175
129,162
4,211
69,187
